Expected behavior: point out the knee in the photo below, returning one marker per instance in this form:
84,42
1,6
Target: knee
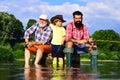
69,47
39,51
69,44
26,50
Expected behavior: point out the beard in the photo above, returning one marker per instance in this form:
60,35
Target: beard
78,24
42,25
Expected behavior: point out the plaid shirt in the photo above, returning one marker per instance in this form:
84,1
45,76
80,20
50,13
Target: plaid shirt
44,37
72,32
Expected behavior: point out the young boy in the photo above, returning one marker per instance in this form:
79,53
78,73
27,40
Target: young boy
58,38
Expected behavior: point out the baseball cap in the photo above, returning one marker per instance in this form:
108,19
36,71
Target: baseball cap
43,16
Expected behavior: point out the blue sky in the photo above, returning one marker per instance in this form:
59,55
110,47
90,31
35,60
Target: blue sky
98,14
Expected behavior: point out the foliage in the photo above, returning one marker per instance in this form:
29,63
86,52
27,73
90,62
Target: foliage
6,54
6,22
85,56
18,29
30,23
9,28
18,51
106,35
108,44
18,54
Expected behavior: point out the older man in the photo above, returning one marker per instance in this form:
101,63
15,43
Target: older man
41,44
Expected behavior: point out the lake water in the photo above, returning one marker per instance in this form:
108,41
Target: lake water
103,71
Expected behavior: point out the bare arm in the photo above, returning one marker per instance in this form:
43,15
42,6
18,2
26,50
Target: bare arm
63,40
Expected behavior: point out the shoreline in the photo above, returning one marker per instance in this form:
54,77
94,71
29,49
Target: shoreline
81,60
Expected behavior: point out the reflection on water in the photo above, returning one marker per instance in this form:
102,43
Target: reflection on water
36,73
17,71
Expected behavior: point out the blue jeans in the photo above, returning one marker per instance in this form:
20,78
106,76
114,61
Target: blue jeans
80,49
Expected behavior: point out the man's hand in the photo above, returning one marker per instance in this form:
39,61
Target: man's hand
36,43
81,41
91,40
33,44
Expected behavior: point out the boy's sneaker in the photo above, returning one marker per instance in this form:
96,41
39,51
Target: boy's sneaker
54,62
60,62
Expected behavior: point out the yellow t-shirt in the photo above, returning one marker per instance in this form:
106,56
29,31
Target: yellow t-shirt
58,34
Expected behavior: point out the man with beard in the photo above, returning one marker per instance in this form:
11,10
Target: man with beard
76,38
41,44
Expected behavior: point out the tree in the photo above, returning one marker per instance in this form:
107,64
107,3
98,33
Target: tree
16,32
6,22
106,35
108,43
9,26
30,23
